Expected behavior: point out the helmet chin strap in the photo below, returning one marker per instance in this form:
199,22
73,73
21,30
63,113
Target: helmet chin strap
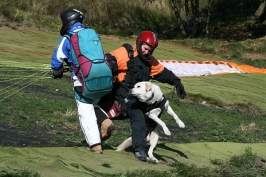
147,57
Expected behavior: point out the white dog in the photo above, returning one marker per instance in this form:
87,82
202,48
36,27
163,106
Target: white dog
152,95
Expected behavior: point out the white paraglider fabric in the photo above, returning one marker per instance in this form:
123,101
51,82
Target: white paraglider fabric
206,68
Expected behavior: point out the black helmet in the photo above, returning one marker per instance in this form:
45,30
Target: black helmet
69,17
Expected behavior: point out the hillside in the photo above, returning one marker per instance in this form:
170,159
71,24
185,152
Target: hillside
39,130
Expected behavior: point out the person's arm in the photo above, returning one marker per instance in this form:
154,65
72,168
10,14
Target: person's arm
167,76
60,53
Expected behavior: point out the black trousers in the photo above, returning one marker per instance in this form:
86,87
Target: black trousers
100,115
135,112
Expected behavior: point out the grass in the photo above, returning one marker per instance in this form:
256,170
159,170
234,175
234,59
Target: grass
245,164
222,109
121,14
20,173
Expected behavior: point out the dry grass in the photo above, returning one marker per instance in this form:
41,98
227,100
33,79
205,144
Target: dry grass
251,127
68,113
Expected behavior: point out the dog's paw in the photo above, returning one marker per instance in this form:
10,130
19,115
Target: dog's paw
118,149
181,124
152,159
166,131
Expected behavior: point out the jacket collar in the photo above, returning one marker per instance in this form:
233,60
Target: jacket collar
75,27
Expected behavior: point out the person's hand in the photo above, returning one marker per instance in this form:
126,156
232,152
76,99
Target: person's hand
180,90
57,74
112,62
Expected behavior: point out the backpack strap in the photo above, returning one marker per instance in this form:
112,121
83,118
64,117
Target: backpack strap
127,83
129,49
130,66
68,35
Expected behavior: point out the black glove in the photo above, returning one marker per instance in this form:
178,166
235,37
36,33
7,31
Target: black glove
113,63
57,75
180,90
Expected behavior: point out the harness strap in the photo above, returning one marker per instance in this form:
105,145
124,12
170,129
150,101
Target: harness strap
68,36
158,104
152,96
129,50
127,84
130,65
127,96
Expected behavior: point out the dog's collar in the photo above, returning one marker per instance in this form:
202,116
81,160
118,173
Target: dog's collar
158,104
152,96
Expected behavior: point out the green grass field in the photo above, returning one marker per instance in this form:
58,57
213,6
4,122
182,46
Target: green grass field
40,133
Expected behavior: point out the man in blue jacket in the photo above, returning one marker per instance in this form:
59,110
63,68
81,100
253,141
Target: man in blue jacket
71,23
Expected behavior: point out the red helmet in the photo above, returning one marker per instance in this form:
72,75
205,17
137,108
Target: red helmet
147,37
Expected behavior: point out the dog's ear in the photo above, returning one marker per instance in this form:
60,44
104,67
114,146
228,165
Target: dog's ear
148,86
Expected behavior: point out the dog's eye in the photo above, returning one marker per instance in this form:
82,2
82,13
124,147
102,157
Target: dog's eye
138,86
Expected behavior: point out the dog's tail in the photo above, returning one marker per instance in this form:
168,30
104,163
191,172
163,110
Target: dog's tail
127,143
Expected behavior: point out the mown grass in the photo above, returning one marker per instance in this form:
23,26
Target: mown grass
245,164
224,108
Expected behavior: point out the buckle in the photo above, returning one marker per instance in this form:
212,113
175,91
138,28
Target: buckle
131,54
126,100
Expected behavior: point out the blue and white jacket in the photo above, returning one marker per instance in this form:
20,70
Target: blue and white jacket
63,49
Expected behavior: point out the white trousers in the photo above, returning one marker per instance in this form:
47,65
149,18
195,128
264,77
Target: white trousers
88,123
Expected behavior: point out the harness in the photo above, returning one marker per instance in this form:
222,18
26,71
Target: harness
158,104
152,96
151,124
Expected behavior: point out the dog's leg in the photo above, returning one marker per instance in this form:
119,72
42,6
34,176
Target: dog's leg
153,138
153,114
173,114
124,145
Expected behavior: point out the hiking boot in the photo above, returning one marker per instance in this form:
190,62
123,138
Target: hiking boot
141,155
96,149
107,127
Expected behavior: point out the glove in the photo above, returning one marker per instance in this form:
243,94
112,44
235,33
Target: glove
57,74
112,62
180,90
